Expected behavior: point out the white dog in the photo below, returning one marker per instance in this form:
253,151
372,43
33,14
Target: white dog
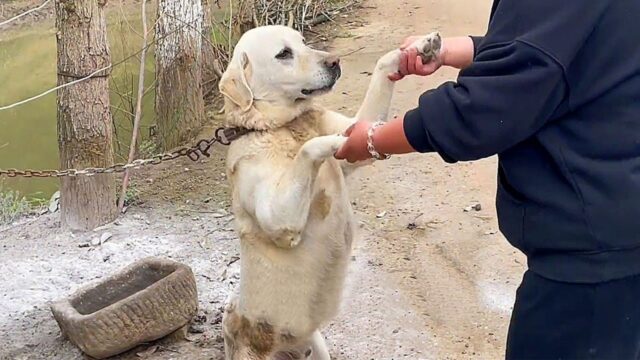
289,195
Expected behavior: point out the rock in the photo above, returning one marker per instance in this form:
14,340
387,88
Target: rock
200,319
476,207
105,237
148,352
217,319
381,215
54,202
95,241
219,214
196,329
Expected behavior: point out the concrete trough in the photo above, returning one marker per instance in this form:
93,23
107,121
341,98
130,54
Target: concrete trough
144,302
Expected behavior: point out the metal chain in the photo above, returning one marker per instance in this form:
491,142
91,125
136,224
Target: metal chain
223,136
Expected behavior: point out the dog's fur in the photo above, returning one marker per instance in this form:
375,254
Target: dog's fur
289,195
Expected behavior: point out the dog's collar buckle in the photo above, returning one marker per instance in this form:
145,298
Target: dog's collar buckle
226,135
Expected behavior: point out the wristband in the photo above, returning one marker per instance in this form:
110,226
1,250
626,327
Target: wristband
372,150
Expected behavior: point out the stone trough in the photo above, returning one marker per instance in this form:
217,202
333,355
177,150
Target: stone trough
144,302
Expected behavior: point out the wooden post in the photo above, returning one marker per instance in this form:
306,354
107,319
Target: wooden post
179,99
84,117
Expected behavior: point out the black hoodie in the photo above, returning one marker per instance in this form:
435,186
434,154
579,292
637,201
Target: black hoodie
554,90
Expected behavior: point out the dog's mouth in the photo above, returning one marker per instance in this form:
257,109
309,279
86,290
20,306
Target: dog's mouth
318,91
325,89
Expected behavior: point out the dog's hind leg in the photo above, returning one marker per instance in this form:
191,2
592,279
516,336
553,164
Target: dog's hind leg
319,349
228,329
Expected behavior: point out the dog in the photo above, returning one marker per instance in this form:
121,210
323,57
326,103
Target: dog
289,196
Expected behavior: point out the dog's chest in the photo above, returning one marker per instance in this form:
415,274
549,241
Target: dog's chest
299,131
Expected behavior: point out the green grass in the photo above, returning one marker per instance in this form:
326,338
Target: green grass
12,206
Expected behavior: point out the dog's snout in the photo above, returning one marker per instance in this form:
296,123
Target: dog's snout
332,62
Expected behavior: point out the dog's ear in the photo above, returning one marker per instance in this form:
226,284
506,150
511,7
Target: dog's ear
234,85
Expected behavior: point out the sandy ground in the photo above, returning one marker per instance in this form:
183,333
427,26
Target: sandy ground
428,280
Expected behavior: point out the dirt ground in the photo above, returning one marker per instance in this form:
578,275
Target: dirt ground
428,280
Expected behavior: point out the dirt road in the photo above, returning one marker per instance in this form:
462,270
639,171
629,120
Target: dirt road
427,281
443,290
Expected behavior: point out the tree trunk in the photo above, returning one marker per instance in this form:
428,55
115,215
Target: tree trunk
179,99
84,117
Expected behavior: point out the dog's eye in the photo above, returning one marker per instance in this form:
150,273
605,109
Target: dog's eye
286,53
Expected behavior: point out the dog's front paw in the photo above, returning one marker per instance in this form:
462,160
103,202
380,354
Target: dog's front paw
288,239
323,147
429,47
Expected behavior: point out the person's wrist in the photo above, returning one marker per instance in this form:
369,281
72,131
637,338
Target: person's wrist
371,142
444,53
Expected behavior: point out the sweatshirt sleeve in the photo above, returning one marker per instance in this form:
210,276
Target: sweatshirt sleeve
507,94
477,40
515,85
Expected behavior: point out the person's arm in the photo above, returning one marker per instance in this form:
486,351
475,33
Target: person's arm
507,95
515,85
388,139
458,52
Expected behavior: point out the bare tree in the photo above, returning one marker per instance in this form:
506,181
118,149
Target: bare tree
84,118
133,147
179,98
211,62
243,15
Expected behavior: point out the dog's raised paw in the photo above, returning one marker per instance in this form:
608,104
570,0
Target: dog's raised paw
429,47
323,147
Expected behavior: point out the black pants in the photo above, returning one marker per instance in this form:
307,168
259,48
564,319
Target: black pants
554,320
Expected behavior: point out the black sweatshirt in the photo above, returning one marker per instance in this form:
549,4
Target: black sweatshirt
554,90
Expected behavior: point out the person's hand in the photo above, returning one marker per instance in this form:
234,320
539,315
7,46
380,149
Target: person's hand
355,149
411,63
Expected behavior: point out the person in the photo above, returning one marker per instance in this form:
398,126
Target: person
553,89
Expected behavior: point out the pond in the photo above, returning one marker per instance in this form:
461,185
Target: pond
28,133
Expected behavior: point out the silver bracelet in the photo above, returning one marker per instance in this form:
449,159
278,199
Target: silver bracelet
372,150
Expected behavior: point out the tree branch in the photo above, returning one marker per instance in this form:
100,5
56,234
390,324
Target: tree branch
138,116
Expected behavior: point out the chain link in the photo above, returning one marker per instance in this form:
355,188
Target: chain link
223,136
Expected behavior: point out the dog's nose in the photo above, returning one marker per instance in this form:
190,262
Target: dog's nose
332,62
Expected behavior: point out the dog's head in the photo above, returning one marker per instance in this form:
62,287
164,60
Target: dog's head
273,64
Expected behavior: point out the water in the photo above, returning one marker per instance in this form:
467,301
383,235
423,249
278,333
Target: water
28,134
